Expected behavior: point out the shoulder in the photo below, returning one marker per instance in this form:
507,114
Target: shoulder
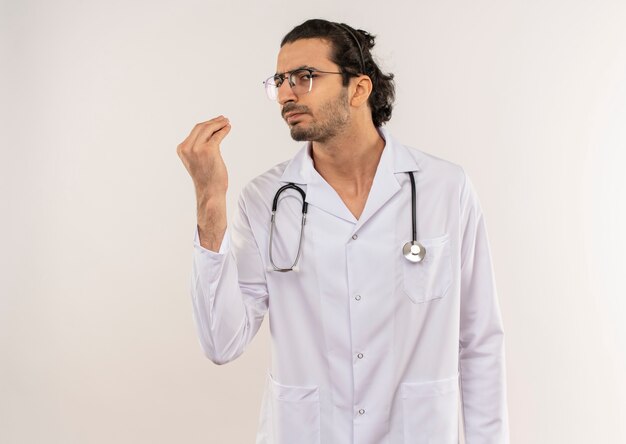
436,169
257,195
447,178
267,183
450,175
269,179
433,168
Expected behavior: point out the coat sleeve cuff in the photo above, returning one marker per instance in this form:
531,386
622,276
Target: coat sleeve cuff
224,246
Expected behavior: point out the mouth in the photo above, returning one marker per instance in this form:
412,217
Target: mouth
291,111
291,117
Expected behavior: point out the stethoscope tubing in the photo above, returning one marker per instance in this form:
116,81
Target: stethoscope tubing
413,205
305,208
412,250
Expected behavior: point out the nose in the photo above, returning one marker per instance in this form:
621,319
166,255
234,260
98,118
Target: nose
285,94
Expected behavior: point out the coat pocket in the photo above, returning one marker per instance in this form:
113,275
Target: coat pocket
430,411
296,413
430,278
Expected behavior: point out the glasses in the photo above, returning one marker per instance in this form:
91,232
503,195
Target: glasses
300,81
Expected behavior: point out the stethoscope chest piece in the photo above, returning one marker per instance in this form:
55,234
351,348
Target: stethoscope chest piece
414,251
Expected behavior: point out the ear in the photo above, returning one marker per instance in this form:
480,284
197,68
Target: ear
361,90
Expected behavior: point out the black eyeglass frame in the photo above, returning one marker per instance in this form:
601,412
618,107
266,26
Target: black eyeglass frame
270,82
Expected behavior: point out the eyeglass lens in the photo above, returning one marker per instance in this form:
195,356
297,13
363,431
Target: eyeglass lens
300,80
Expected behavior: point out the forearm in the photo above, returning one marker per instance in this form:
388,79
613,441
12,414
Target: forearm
212,222
218,307
481,348
483,389
229,296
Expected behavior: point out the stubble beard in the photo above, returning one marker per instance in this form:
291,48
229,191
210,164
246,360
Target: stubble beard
337,114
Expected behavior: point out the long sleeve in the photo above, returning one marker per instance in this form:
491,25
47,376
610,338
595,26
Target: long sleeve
228,291
481,348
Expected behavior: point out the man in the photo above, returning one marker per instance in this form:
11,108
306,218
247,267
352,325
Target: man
382,305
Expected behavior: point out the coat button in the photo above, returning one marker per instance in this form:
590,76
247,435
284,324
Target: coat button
354,236
358,297
361,412
360,356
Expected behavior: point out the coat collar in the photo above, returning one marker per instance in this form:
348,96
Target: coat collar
395,159
300,169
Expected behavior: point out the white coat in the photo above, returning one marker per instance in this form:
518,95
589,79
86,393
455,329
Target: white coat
367,347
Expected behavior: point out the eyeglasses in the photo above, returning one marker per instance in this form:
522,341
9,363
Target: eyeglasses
300,81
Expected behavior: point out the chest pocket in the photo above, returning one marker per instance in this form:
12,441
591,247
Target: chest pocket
431,278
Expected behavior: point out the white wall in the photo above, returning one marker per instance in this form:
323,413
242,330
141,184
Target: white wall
97,342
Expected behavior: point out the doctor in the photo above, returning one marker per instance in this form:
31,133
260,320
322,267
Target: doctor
382,305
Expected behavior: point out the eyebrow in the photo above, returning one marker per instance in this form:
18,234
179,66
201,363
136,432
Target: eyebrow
295,69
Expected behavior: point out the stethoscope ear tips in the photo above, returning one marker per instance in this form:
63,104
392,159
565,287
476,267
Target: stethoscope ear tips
414,251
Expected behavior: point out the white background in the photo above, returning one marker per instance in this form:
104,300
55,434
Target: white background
97,342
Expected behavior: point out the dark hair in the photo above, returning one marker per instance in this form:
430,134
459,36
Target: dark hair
351,52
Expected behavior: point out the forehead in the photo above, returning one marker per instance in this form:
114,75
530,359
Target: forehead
304,52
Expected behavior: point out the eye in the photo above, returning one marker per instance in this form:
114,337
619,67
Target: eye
278,80
304,75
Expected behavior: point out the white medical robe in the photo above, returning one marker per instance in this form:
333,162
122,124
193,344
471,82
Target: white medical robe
367,347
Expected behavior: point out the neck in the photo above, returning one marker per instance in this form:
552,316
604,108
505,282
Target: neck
349,161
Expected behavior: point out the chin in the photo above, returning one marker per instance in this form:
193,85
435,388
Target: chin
315,133
300,134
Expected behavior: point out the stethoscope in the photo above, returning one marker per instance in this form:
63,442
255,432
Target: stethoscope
412,250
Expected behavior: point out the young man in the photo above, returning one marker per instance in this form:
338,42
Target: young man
382,305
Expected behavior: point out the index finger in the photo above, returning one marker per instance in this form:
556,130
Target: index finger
195,132
209,129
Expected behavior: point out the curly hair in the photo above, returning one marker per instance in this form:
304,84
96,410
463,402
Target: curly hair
351,51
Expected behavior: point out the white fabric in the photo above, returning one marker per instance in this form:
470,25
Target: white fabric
367,347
